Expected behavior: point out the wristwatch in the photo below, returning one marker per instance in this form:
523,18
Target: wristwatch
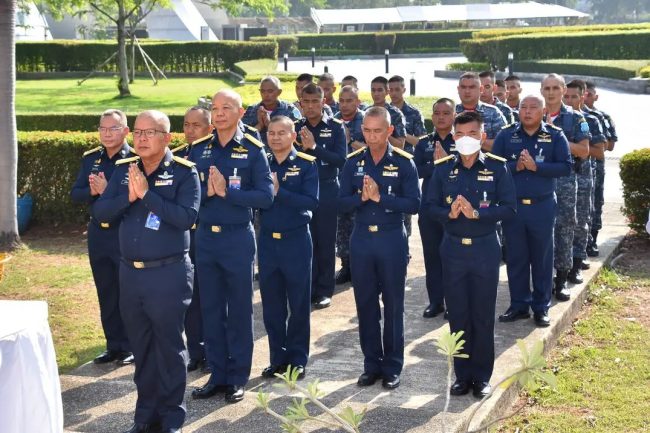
475,214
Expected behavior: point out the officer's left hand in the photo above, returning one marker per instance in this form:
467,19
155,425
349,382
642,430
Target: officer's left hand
465,207
372,189
439,152
218,181
276,184
528,161
140,184
97,183
307,139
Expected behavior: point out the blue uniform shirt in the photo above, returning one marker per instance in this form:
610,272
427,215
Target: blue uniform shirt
96,161
330,147
605,123
397,119
508,113
550,149
250,187
297,195
157,226
414,121
487,185
423,155
596,133
492,118
397,179
573,124
282,109
354,127
333,106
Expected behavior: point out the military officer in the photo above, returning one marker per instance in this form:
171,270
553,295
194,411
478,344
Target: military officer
380,185
469,91
197,130
576,130
156,195
436,145
285,250
236,181
259,115
323,137
352,118
488,83
379,91
414,121
103,247
537,154
468,194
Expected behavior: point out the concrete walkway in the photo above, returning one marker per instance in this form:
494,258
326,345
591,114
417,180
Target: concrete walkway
100,399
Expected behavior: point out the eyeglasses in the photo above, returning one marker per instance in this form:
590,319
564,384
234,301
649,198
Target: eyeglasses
112,129
150,133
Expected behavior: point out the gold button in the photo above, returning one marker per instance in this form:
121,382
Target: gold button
373,229
138,265
105,225
277,235
526,201
216,229
466,241
193,226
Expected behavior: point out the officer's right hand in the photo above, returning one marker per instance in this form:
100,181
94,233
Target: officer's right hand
439,152
98,183
276,184
455,210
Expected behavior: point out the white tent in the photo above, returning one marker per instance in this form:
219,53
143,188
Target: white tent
30,25
181,22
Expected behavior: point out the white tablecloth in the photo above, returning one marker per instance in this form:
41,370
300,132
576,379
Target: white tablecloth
30,391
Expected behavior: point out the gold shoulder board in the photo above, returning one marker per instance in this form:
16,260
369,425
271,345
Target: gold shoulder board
127,160
179,148
250,128
96,149
443,159
339,121
183,161
303,155
356,152
202,139
493,156
254,140
402,152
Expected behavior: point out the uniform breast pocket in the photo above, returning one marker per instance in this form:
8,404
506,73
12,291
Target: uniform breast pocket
166,188
291,180
239,175
486,195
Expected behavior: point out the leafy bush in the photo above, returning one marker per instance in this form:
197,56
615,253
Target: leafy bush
635,167
184,57
619,70
286,43
468,67
493,33
644,72
75,122
256,70
47,167
602,45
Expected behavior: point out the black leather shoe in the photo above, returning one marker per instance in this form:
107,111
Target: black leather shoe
584,265
390,382
446,315
301,371
512,315
234,393
208,390
368,379
481,389
343,275
139,428
125,358
561,289
541,319
575,274
270,371
106,356
592,250
172,430
433,310
460,387
321,302
195,364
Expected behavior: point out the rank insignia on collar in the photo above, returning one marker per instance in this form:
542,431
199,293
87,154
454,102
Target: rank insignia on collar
448,199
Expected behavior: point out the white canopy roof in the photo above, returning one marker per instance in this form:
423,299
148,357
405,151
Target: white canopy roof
443,13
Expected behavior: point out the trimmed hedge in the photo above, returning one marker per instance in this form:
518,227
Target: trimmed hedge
644,72
286,43
183,57
606,45
468,67
76,122
47,168
593,68
494,33
635,169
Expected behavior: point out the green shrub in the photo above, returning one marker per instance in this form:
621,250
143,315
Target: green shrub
256,70
76,122
384,41
603,45
183,57
286,43
635,174
468,67
644,72
430,41
616,69
493,33
47,168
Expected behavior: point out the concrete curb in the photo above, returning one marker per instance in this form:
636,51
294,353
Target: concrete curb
633,85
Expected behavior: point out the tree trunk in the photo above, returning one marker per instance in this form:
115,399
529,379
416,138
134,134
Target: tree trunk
8,145
122,68
132,79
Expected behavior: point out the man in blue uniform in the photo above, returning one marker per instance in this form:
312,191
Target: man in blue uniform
103,247
468,195
469,90
379,92
259,115
598,166
351,80
352,118
537,154
500,91
156,195
488,83
236,181
576,130
197,130
434,146
285,250
414,121
323,137
380,184
327,83
513,92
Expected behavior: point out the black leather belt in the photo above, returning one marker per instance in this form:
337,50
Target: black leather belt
154,263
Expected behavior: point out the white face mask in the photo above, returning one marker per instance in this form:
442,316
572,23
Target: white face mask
467,145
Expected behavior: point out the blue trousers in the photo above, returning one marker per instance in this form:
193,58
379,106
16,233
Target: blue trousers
193,319
104,255
323,233
470,284
285,286
153,304
431,236
225,265
378,263
529,242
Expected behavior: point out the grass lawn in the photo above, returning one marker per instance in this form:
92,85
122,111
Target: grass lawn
171,96
53,266
602,362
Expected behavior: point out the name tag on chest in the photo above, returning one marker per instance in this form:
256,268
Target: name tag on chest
239,155
390,174
486,178
163,182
